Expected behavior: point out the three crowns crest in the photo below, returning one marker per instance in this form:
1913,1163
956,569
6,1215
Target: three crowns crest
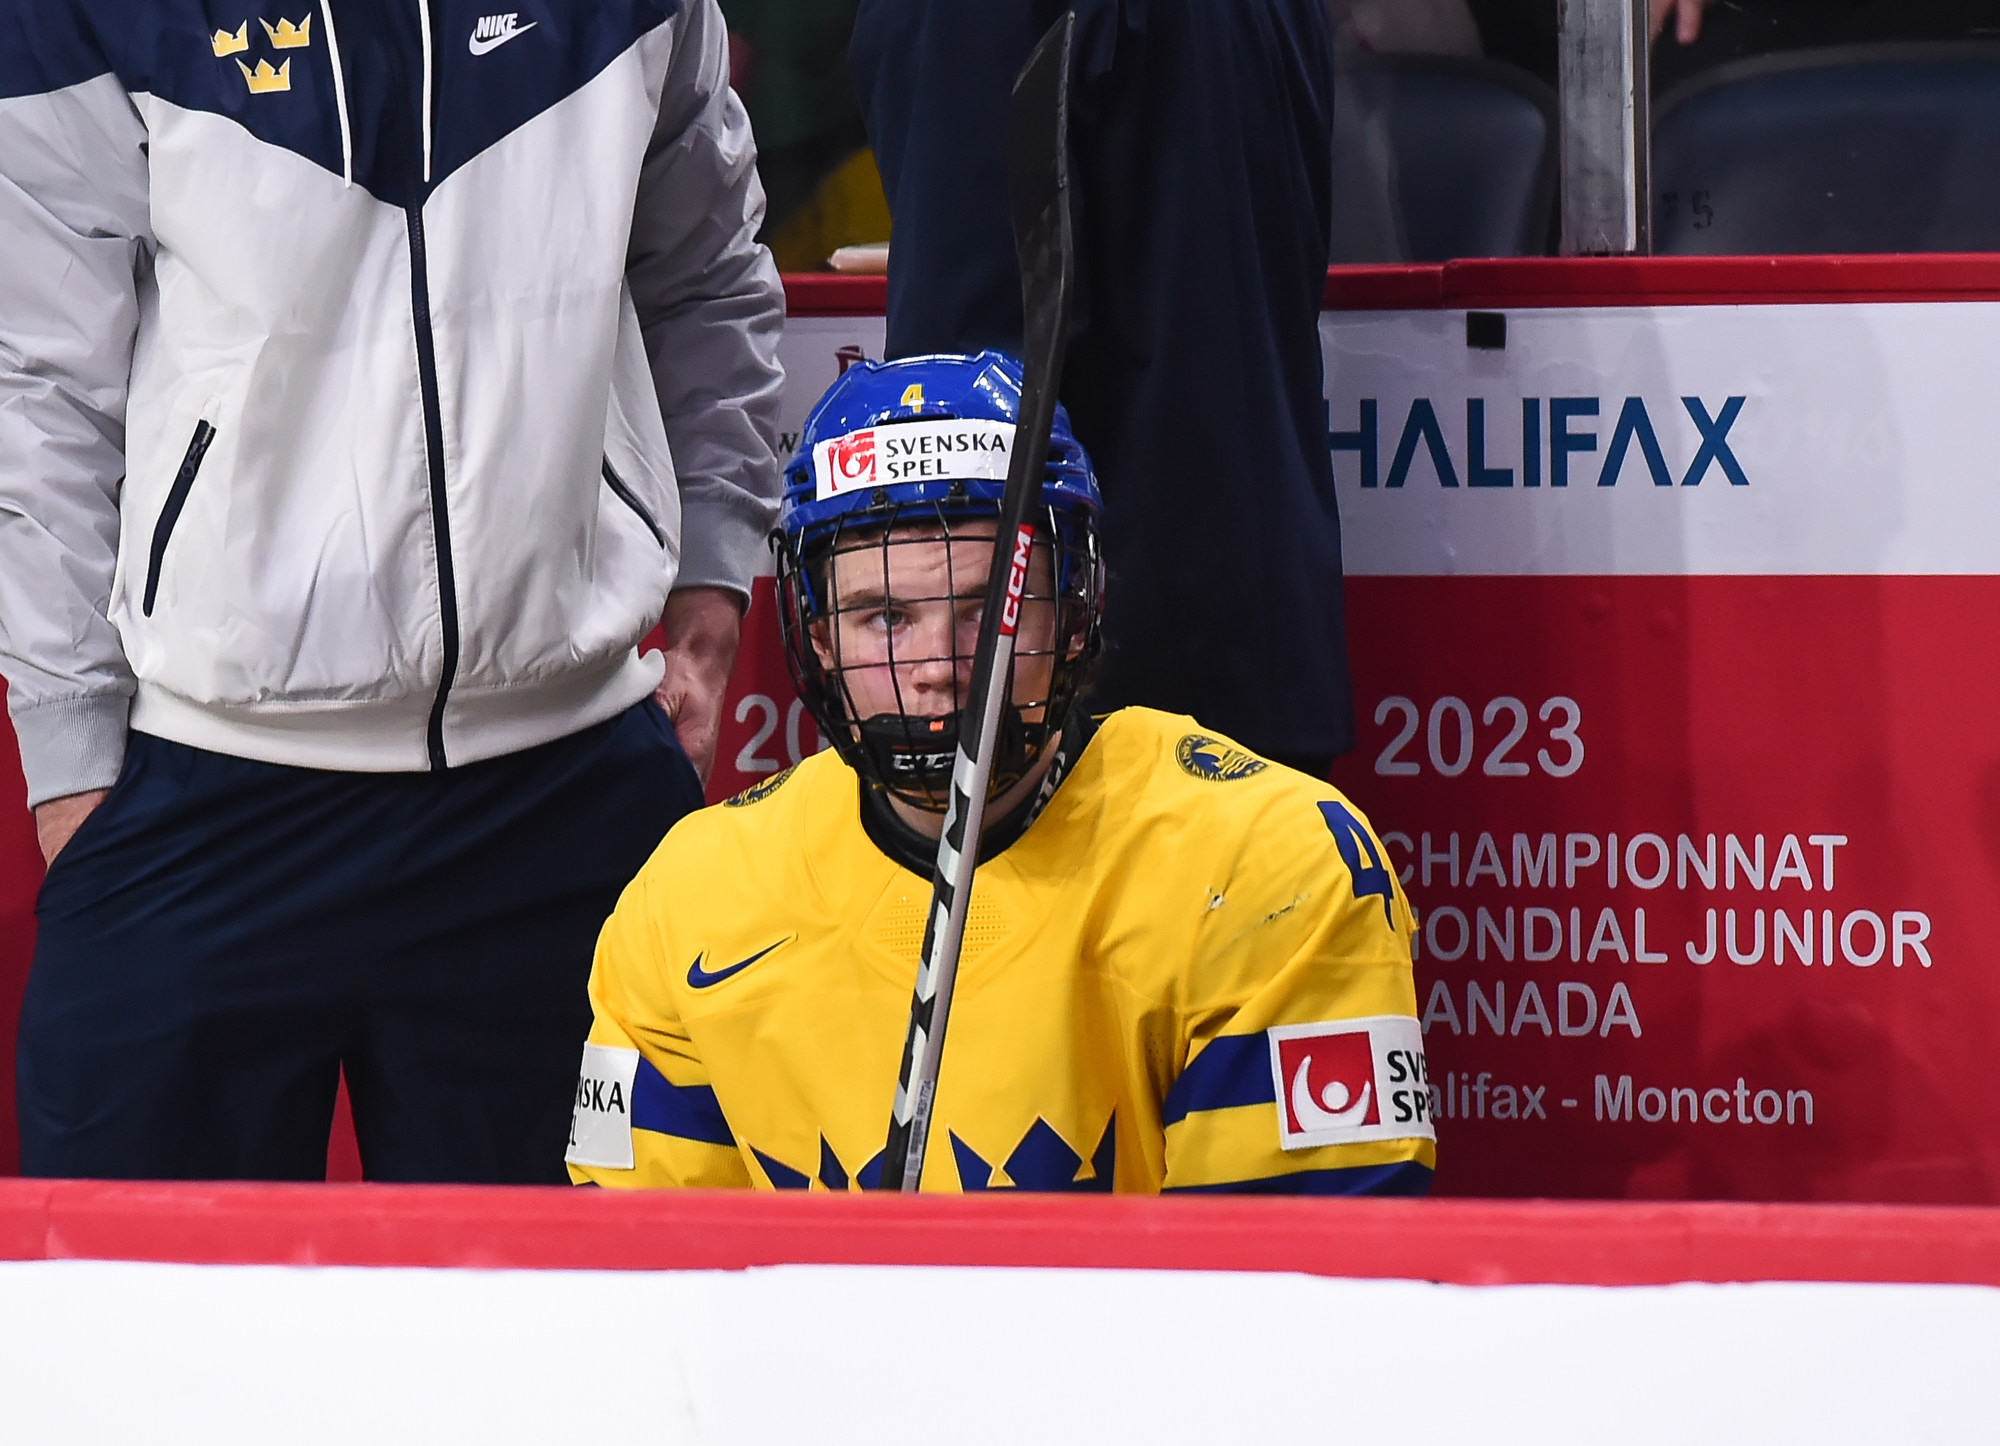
285,35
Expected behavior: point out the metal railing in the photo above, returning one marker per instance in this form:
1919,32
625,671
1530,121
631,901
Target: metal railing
1605,132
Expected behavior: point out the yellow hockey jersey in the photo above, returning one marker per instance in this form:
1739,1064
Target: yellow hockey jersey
1190,972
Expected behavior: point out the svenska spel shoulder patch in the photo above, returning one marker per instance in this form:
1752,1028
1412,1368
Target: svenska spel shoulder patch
600,1127
1349,1081
948,450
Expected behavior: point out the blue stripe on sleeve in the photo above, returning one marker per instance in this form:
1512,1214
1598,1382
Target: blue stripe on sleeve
689,1111
1406,1177
1234,1070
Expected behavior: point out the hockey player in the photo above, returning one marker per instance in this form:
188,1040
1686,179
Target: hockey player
1184,968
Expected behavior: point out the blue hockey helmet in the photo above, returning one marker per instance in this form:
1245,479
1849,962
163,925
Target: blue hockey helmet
915,450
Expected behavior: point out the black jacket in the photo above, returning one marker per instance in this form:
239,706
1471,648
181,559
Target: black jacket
1202,140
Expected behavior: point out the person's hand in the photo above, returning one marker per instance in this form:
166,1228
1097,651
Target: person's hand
1686,15
57,821
703,625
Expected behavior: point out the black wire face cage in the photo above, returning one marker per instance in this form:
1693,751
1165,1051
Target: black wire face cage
885,664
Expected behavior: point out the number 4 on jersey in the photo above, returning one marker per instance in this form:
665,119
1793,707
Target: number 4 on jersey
1358,852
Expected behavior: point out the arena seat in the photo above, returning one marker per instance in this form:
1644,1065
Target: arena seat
1441,157
1877,148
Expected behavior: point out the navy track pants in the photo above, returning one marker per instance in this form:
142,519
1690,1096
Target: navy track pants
221,937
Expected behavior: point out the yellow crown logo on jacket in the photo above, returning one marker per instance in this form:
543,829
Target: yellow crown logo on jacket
226,44
263,80
288,36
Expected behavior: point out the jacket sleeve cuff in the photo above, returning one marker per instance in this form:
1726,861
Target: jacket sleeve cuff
724,545
72,745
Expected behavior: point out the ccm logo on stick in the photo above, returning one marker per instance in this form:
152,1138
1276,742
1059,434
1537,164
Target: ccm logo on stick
1350,1081
1017,581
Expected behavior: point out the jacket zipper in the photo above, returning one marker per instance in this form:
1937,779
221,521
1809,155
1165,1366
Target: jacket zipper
170,515
427,385
631,499
420,306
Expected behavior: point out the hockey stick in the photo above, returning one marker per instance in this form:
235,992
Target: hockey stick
1038,199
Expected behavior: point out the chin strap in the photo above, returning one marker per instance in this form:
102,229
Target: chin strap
918,754
912,753
887,831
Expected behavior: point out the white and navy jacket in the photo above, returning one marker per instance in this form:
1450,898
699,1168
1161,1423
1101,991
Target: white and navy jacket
370,370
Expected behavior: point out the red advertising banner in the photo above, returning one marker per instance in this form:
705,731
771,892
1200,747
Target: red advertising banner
1706,869
1669,625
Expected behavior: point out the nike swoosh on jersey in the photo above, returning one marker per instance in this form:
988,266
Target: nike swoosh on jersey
700,978
480,47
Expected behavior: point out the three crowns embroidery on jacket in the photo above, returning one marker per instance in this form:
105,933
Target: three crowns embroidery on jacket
285,35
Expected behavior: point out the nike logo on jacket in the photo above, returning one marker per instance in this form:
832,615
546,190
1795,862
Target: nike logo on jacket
494,31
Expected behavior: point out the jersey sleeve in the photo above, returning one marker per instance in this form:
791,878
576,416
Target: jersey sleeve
646,1112
1304,1067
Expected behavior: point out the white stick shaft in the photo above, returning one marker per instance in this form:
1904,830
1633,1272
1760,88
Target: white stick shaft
939,970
